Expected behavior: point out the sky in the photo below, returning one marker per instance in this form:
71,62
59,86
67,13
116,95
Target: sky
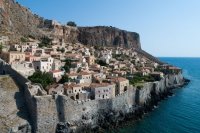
167,28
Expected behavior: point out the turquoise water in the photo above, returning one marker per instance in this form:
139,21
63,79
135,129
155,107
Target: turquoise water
179,113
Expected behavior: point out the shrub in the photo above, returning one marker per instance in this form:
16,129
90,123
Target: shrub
67,65
44,79
71,23
101,63
45,42
1,47
24,39
64,79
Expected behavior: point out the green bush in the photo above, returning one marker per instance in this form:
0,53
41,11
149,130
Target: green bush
24,39
141,79
44,79
1,47
101,63
71,23
64,79
68,65
45,42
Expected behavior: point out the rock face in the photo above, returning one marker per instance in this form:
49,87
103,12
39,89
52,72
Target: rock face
17,21
108,36
13,111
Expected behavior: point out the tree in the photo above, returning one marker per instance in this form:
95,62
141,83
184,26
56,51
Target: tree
24,39
44,79
101,63
62,50
1,47
67,65
31,36
79,69
71,23
45,42
64,79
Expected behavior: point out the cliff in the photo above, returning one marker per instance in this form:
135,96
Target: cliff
17,21
108,36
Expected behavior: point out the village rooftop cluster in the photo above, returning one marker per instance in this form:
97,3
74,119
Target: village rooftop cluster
82,72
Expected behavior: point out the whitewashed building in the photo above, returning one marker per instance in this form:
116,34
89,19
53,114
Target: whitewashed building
44,65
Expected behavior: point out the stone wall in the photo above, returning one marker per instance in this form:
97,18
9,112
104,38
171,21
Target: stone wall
47,111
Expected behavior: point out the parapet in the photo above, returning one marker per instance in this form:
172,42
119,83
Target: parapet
36,89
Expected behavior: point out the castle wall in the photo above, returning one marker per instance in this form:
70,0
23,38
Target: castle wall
46,111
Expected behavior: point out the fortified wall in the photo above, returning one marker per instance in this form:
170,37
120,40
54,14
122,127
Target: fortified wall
47,111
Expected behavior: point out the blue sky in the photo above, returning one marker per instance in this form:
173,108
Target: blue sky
169,28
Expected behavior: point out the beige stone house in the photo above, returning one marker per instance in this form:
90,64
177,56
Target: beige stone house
122,85
102,90
13,56
90,60
75,91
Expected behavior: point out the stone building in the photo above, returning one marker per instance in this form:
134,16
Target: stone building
102,90
44,65
57,74
24,68
82,77
90,60
57,64
75,91
30,58
13,56
55,89
122,85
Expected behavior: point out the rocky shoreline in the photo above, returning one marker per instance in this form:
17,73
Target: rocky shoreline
112,121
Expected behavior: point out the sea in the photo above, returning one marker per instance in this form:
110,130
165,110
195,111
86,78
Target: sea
179,113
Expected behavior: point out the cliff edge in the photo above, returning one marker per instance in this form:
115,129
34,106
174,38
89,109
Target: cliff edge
17,21
108,36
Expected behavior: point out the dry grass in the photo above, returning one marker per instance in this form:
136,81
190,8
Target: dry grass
6,82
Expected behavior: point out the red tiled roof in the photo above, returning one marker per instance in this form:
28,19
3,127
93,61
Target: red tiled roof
56,71
94,85
70,86
119,79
